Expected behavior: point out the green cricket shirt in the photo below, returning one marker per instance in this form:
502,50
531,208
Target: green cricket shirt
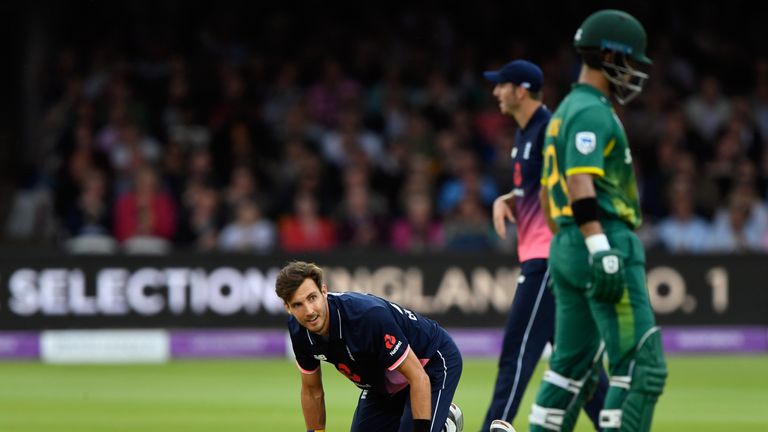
585,136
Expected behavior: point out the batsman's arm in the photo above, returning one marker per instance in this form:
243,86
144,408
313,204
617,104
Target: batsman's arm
421,389
544,200
608,283
582,186
313,400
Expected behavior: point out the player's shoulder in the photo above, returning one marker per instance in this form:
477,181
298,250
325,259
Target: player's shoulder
540,119
357,305
583,101
589,110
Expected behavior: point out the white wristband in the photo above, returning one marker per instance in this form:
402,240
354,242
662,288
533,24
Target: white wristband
596,243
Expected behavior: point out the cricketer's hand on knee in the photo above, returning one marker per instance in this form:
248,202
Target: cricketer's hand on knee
608,280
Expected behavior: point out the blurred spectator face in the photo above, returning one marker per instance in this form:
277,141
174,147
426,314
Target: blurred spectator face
309,175
666,153
357,202
464,163
94,184
83,137
742,111
738,211
248,213
469,209
349,121
447,142
681,202
331,72
173,159
286,78
710,89
74,89
146,182
206,201
85,112
728,147
233,86
178,89
746,172
242,181
685,165
355,176
129,134
296,119
294,150
306,206
118,92
419,209
200,162
240,140
674,126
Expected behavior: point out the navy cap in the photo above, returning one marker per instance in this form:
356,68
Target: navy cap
519,72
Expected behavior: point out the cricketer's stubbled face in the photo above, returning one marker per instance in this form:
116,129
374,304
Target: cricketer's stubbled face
309,305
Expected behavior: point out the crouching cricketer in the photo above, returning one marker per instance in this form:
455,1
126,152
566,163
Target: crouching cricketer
406,365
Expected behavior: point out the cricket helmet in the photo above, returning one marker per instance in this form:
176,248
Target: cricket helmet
622,35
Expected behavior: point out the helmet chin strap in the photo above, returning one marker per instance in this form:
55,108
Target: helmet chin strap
626,81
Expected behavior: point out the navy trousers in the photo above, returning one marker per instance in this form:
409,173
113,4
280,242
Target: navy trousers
377,412
531,324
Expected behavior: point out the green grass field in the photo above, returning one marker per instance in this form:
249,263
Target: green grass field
704,394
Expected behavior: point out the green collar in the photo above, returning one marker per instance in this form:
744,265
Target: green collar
593,90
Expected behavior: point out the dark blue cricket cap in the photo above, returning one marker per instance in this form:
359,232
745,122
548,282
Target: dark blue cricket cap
519,72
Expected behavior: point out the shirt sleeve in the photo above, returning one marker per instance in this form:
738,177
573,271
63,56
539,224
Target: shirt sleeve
306,363
388,340
588,138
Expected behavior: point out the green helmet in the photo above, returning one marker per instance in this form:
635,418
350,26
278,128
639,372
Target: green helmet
622,34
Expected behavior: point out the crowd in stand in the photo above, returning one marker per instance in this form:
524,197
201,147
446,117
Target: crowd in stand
223,147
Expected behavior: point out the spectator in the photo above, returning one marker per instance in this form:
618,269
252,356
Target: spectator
465,179
91,212
708,110
243,186
360,224
349,137
201,218
469,227
306,230
683,230
741,226
330,93
249,232
418,231
145,209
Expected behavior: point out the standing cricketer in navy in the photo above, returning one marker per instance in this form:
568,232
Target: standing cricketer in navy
407,366
531,322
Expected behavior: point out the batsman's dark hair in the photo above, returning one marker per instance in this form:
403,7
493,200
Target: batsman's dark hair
293,275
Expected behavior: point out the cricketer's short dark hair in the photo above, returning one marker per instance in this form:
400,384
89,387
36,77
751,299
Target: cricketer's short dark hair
535,95
293,275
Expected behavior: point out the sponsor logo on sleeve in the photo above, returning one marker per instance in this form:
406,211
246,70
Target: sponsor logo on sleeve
586,142
396,348
389,341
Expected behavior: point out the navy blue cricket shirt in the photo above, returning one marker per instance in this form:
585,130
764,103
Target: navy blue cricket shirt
533,231
369,338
